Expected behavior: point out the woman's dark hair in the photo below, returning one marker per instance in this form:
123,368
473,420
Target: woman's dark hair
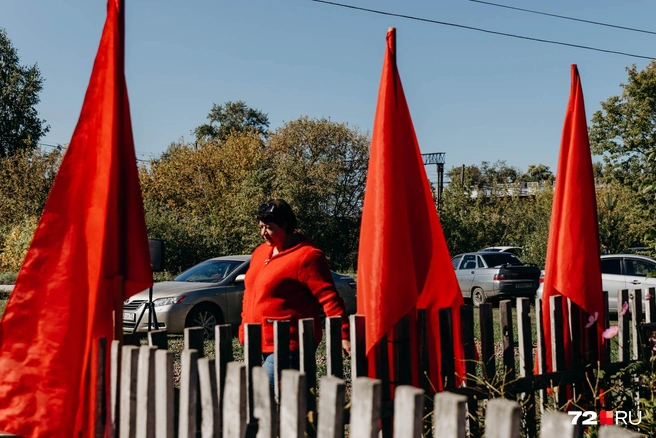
278,212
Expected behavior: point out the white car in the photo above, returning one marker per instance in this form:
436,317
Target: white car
622,271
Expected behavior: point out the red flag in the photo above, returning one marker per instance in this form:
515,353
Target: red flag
91,240
403,260
572,267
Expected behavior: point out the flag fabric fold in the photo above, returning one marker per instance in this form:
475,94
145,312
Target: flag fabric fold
403,261
90,244
572,266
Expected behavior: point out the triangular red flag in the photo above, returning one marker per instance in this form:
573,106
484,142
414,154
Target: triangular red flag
90,243
403,260
572,267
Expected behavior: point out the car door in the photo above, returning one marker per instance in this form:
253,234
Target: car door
466,273
637,271
234,296
613,279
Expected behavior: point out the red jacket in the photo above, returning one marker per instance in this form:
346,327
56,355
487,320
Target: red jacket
290,286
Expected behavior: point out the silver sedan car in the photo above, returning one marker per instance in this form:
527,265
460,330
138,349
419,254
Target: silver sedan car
205,295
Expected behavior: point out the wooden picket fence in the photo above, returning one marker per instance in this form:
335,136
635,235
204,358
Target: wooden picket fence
223,398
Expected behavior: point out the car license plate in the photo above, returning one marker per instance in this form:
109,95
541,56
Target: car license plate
129,316
523,285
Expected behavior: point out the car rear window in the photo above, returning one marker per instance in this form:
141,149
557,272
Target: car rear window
500,258
611,266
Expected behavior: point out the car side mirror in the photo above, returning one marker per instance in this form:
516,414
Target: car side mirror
240,278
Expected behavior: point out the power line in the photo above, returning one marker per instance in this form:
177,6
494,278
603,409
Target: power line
632,29
477,29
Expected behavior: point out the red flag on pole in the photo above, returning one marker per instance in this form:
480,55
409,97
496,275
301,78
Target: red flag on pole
403,260
572,267
90,247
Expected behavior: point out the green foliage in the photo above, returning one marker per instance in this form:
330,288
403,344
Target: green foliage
482,214
8,277
16,243
624,132
320,169
232,117
20,126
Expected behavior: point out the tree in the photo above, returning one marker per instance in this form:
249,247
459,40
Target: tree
20,126
624,132
537,173
320,169
232,117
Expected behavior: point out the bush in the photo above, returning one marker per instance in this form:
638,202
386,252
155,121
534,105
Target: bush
16,243
8,277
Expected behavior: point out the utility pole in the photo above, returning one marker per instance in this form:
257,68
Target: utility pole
437,158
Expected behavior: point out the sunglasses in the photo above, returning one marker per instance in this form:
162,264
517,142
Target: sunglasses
266,208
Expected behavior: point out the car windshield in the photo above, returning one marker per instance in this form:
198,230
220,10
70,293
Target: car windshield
493,259
210,271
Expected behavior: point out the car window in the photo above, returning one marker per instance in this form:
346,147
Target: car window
468,262
611,266
639,268
456,262
209,271
479,260
501,258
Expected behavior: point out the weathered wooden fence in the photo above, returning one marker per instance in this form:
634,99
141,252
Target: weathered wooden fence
220,397
223,398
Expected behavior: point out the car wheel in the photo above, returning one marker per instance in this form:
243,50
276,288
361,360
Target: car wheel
478,297
206,316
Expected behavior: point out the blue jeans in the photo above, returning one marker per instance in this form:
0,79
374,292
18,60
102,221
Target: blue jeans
294,362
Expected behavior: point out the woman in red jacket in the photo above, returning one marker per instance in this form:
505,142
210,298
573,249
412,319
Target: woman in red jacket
288,279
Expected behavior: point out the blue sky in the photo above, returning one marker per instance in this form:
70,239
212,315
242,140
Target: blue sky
477,97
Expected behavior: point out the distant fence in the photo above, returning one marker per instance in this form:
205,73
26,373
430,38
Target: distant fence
223,398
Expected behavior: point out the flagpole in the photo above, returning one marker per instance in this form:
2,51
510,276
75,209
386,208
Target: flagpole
120,72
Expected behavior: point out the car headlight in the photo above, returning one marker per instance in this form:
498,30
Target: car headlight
161,302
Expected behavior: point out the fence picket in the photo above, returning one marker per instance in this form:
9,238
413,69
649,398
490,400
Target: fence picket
164,399
366,405
252,358
280,353
617,432
446,346
115,365
194,339
129,366
507,338
210,425
293,404
308,364
100,353
158,339
558,424
408,412
187,419
650,309
145,427
264,409
222,355
487,340
358,347
334,361
331,407
235,401
624,352
526,363
449,415
502,419
636,320
557,347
